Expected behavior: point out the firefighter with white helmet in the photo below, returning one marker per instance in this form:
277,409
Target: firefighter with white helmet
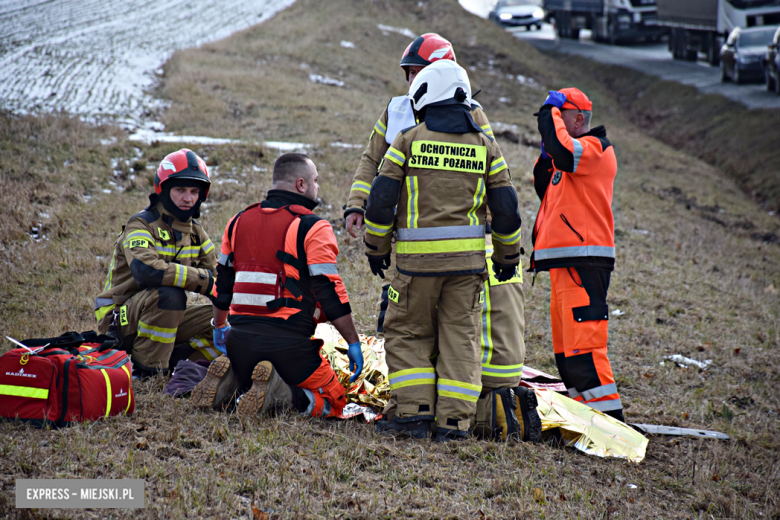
436,182
161,254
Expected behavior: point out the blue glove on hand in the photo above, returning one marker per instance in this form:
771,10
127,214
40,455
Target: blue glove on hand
355,355
545,155
555,98
220,338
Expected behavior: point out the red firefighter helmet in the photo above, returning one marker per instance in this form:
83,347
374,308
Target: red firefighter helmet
426,49
184,164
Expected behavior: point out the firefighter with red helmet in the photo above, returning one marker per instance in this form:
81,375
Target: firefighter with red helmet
397,116
160,255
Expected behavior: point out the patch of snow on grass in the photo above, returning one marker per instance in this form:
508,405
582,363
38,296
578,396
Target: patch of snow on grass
347,45
399,30
326,80
150,136
97,58
286,147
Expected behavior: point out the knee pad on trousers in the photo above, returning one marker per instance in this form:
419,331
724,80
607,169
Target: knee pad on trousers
324,385
171,299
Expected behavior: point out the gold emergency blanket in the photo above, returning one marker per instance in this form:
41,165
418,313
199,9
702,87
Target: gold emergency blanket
372,387
589,430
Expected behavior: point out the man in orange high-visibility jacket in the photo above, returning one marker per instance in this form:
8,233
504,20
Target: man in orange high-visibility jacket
574,240
276,275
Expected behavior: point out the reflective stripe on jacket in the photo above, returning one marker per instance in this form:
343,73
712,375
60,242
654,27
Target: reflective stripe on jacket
156,249
392,119
442,184
574,226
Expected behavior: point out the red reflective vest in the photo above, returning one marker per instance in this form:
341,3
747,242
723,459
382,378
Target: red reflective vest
574,226
263,286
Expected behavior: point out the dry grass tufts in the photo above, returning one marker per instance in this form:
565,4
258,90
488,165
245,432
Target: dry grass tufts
698,274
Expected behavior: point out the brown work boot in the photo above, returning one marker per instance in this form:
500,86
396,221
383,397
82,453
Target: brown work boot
218,388
268,392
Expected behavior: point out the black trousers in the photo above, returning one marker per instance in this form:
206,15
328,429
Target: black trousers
295,359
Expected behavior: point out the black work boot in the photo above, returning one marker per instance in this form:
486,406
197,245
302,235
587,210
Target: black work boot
447,435
496,417
413,427
528,417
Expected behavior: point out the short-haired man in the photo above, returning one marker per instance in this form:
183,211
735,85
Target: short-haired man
161,253
276,272
574,240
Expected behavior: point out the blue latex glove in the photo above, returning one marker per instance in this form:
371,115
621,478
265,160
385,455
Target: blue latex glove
220,338
545,155
355,355
555,98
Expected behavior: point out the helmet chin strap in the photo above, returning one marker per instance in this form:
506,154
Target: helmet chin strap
173,209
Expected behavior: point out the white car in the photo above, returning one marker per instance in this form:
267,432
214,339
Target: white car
517,13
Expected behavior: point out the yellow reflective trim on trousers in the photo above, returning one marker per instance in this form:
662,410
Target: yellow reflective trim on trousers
460,384
108,391
129,388
412,377
479,195
159,334
101,312
361,186
24,391
502,370
440,246
413,194
408,371
487,336
456,395
458,390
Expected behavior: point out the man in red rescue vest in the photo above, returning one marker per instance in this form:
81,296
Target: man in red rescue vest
574,240
276,271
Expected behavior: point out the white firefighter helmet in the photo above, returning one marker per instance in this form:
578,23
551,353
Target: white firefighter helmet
442,80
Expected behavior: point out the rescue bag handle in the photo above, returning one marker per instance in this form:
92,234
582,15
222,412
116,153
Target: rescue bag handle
67,341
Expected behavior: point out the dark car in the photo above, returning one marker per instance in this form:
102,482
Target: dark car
772,64
517,13
742,56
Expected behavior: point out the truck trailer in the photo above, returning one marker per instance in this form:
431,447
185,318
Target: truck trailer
703,25
613,21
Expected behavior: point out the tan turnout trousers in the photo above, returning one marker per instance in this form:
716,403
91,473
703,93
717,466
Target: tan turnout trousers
158,318
502,330
448,391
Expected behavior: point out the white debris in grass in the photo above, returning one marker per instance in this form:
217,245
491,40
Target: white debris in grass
346,145
286,147
105,190
108,142
326,80
618,312
229,181
150,136
347,45
43,215
683,361
504,100
400,30
258,169
524,80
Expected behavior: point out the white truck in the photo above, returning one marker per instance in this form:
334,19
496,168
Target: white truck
703,25
613,21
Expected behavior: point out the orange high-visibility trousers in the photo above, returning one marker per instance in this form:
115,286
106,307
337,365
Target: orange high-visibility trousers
327,398
579,314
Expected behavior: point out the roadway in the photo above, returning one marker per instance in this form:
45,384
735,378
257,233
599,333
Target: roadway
654,59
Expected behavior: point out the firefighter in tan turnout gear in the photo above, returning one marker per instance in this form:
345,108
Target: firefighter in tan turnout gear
398,115
436,181
161,254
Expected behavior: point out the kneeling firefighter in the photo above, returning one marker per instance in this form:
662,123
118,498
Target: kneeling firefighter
436,182
276,272
162,253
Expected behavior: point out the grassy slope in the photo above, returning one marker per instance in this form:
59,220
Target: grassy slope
691,278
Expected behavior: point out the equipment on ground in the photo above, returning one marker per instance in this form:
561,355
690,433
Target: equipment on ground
702,25
613,21
75,377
